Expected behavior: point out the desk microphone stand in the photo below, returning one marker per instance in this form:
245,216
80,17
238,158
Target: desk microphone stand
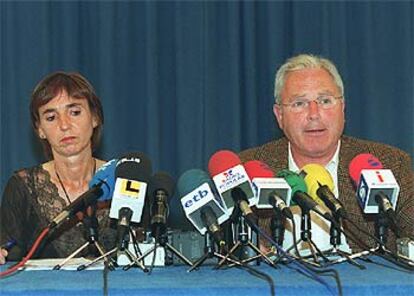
335,239
90,223
381,229
209,252
306,236
162,241
244,241
123,249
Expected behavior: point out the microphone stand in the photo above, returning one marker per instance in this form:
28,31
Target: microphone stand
161,240
278,228
306,236
123,248
90,223
244,241
381,229
209,252
335,240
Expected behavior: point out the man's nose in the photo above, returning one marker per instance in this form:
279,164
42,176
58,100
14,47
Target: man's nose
313,110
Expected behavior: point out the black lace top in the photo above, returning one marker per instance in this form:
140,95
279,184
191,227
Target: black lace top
30,202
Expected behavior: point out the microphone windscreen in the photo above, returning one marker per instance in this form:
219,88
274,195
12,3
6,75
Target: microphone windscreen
315,174
105,176
258,169
161,180
134,166
221,161
360,162
295,181
190,180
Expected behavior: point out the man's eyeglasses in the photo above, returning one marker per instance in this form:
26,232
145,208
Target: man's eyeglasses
324,102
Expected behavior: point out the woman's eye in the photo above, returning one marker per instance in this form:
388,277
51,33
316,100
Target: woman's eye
50,118
75,112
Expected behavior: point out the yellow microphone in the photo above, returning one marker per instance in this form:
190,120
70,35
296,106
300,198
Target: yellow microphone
321,186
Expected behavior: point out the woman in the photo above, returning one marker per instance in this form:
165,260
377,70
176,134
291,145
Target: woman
67,116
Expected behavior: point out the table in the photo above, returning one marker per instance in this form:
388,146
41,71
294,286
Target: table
379,278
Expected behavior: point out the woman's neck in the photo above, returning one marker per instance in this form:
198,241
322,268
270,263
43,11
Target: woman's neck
76,169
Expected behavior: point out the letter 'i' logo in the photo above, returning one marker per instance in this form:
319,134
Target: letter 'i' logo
380,178
130,188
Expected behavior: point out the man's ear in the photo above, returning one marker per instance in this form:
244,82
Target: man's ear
277,111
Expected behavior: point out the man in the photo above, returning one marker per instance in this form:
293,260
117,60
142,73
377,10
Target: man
309,108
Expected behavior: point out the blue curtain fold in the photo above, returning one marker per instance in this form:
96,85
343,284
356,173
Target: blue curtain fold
181,80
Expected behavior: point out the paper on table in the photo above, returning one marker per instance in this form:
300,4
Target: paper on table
72,264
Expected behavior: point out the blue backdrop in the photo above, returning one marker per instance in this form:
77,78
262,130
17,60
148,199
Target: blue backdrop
181,80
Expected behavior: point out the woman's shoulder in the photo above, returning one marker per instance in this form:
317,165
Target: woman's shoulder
30,172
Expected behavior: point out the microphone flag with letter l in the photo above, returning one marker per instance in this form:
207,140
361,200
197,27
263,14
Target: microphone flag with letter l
132,175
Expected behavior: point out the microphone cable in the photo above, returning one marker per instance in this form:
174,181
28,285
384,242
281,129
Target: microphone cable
258,274
255,272
387,254
20,264
304,267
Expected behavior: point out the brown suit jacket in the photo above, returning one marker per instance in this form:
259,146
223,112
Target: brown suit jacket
275,154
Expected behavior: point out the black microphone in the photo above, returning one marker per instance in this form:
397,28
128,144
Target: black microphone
209,218
385,206
161,188
125,215
330,201
306,203
240,198
278,203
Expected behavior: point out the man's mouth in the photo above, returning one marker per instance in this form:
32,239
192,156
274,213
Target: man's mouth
315,131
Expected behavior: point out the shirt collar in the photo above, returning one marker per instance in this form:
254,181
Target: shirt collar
330,166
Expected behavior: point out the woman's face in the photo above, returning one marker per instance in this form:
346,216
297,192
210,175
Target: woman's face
67,124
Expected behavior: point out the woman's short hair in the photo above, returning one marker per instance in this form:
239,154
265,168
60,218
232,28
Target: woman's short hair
77,87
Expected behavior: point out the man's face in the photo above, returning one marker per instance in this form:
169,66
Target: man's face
314,132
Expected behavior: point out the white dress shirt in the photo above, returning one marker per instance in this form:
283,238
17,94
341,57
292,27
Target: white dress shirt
319,225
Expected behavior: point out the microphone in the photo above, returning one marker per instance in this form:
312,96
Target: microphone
228,173
105,173
377,188
131,178
201,205
270,192
299,195
321,186
161,187
240,198
100,188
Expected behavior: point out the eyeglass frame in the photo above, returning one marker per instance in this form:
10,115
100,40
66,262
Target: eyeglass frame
307,103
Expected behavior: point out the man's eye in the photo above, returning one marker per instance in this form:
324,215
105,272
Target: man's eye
325,101
298,104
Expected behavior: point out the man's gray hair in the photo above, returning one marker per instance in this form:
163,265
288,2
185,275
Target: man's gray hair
305,61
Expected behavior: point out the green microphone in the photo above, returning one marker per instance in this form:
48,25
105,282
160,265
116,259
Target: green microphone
296,182
300,195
